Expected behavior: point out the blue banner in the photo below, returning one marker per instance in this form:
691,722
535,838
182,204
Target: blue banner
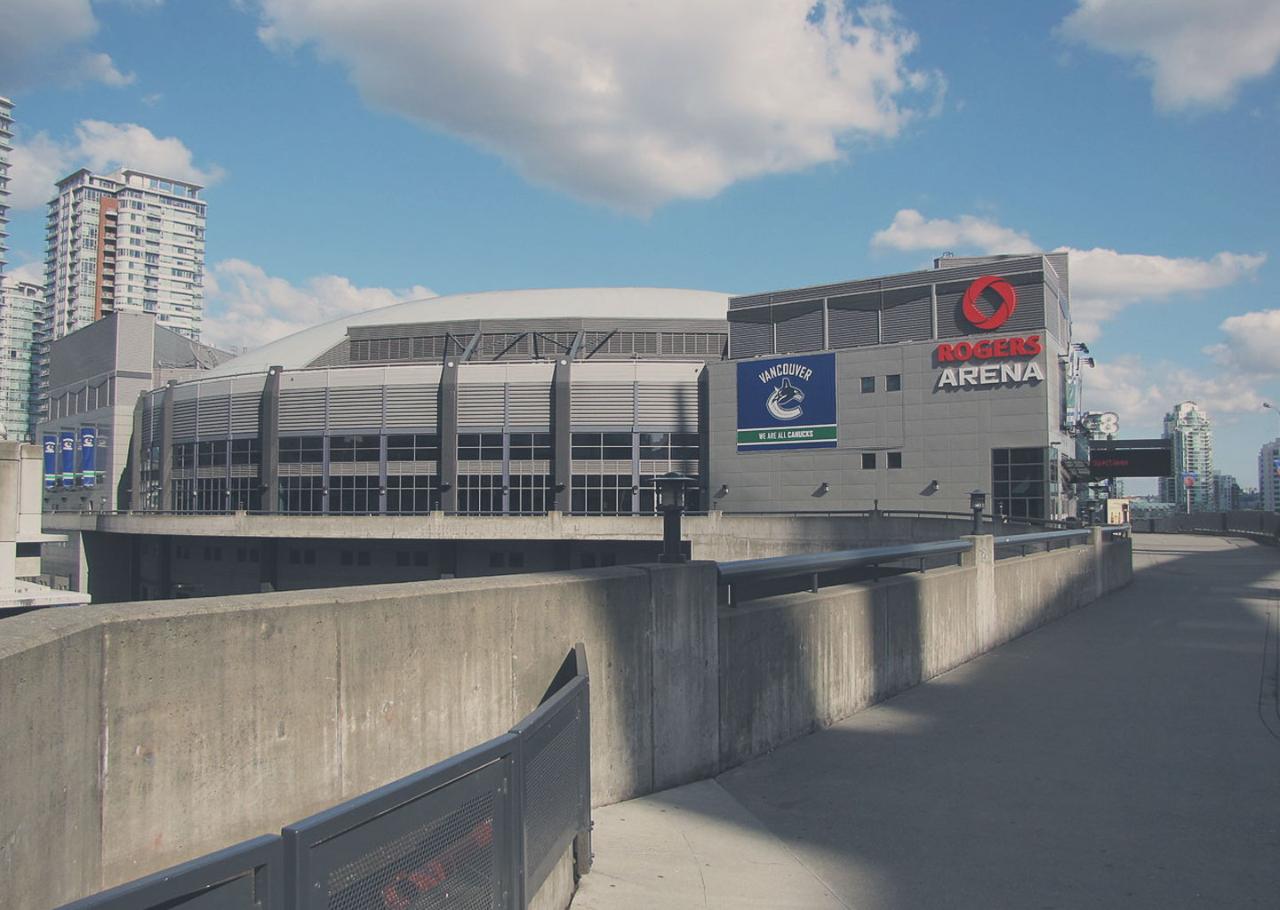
67,443
88,445
50,461
787,403
1275,463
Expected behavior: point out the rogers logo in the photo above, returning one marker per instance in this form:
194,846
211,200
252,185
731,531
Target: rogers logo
1008,302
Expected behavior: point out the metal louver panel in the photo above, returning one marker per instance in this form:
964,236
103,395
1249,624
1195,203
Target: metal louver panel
244,412
215,416
853,321
302,411
528,405
603,403
799,326
672,405
907,315
412,406
482,404
184,419
355,409
750,332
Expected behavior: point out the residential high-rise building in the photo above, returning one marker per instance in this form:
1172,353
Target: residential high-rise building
22,350
1191,486
127,242
1269,475
6,134
1226,493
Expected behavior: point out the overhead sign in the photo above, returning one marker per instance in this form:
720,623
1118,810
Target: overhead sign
994,286
787,403
1131,458
50,461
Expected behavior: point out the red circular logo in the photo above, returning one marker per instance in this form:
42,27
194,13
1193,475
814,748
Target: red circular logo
1008,302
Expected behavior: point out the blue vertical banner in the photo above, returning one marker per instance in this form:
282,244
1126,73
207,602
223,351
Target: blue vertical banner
67,443
88,462
50,461
1275,463
787,403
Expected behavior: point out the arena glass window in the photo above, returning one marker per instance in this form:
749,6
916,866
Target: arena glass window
529,446
211,494
413,447
1018,482
246,494
602,494
353,495
301,449
354,448
183,495
184,455
211,453
868,461
529,493
412,494
479,447
301,494
868,384
480,494
246,451
893,382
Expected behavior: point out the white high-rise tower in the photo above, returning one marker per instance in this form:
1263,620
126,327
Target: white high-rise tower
6,134
128,242
1269,475
1191,432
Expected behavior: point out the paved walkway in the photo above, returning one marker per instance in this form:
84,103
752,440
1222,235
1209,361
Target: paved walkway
1126,756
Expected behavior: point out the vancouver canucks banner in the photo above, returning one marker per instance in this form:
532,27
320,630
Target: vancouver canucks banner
787,403
50,461
1275,463
68,445
88,443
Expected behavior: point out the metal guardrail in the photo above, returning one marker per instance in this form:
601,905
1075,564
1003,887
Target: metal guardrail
482,829
1046,537
747,572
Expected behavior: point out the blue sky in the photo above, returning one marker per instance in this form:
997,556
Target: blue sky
358,153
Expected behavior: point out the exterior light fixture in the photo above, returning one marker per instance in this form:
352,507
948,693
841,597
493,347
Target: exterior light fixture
977,500
671,490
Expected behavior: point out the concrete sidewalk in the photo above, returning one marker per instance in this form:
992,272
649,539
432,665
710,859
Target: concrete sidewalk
1127,755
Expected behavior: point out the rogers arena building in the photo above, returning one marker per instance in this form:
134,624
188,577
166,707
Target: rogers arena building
496,403
907,391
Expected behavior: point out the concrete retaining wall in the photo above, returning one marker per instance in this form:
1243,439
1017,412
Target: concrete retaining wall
138,735
1254,524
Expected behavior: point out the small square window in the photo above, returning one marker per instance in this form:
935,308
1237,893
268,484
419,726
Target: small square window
895,459
893,383
420,558
362,558
515,560
495,560
402,559
868,384
868,461
309,557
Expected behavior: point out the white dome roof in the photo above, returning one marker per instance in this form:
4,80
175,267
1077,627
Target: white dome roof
301,348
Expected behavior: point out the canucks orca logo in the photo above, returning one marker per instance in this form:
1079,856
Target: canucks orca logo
784,401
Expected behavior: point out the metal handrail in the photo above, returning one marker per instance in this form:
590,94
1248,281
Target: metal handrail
1040,537
742,570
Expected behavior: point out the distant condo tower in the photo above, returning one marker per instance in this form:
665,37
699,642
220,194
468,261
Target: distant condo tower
6,134
129,242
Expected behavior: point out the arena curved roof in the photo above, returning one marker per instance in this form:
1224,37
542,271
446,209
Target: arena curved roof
301,348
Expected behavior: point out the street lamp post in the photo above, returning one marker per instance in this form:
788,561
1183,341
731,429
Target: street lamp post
671,488
977,499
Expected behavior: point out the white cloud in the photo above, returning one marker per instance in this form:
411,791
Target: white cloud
1252,345
245,307
29,271
44,40
1103,281
1142,393
634,104
1196,53
911,230
103,147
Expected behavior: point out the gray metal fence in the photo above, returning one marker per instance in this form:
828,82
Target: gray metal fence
479,831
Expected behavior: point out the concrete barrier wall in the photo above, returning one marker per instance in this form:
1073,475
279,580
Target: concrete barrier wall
136,736
1250,522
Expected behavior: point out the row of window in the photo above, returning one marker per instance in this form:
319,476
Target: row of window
893,460
892,383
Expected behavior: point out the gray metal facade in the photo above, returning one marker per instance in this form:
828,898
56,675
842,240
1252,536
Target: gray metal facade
942,438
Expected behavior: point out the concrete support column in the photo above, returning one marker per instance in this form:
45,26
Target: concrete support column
269,440
135,457
166,448
448,417
561,437
982,559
